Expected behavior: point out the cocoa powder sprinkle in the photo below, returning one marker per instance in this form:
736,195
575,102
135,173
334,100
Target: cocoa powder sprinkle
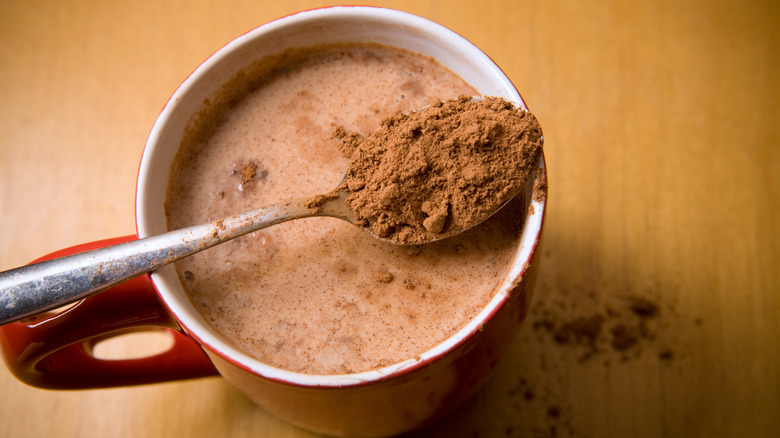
434,172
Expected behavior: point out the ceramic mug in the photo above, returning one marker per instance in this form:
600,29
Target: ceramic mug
54,350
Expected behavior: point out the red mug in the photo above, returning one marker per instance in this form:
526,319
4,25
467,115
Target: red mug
54,350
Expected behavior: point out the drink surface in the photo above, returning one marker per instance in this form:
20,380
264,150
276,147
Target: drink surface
318,295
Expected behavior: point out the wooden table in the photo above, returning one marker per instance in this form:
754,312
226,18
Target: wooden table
662,136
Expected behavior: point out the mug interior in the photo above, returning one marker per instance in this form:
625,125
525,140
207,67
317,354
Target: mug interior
310,28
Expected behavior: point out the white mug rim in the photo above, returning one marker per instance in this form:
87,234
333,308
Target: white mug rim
205,335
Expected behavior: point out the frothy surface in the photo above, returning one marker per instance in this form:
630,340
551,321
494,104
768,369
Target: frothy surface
318,295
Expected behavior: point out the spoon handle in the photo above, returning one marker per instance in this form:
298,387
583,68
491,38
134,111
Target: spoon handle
43,286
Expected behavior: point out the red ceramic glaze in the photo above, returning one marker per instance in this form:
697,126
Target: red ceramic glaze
54,350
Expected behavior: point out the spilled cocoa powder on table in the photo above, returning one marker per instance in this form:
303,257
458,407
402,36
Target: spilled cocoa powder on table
433,172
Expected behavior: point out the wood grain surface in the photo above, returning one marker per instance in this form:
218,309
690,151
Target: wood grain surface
657,311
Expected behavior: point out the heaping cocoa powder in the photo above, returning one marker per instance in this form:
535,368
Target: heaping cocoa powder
434,172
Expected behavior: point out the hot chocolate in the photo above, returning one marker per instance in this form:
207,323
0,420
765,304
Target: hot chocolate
320,296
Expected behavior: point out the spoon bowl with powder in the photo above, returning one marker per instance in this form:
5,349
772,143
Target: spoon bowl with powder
421,177
441,170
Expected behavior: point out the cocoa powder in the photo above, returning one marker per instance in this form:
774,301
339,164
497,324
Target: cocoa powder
434,172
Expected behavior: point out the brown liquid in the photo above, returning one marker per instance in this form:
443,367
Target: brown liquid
318,295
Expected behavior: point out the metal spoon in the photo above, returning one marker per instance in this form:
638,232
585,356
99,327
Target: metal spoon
43,286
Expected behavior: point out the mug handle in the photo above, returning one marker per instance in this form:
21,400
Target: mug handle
54,350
